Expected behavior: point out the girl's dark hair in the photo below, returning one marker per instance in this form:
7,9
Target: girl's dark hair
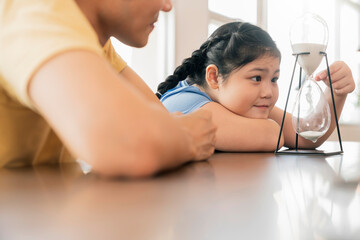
230,47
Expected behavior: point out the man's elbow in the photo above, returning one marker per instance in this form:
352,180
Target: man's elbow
138,163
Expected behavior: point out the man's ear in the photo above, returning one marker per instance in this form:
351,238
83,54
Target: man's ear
212,76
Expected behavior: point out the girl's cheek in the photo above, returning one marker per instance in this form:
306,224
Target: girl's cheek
276,94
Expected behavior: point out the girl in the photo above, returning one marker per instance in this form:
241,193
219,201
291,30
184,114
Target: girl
234,75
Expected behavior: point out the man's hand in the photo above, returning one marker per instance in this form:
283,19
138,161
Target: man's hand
201,131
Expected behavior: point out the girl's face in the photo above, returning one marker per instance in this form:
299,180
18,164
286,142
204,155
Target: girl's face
252,90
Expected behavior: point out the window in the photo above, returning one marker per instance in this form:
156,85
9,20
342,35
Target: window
221,12
235,9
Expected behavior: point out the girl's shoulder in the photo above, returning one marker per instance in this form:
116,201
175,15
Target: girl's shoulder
184,98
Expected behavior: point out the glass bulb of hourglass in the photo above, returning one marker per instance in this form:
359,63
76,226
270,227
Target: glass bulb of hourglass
311,112
309,34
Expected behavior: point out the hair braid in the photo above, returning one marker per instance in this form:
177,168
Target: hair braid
192,66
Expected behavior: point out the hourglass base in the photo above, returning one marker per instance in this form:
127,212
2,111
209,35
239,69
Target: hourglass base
308,152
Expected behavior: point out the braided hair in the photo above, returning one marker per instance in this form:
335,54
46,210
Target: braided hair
230,47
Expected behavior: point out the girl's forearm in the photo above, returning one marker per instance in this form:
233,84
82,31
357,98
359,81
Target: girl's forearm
254,135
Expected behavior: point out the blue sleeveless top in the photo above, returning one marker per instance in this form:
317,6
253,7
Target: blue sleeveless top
184,98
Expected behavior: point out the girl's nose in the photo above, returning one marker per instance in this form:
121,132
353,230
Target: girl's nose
266,90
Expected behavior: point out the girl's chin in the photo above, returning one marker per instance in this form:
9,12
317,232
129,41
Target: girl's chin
257,116
259,113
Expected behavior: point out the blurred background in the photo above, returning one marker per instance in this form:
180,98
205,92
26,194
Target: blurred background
178,33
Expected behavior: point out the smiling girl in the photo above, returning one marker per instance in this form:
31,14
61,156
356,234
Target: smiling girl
234,75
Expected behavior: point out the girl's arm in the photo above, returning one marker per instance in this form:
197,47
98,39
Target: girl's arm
343,83
240,134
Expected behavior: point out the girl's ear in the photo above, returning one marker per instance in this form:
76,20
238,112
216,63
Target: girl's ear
212,76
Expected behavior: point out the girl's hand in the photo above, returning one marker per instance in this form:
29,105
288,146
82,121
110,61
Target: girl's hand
341,78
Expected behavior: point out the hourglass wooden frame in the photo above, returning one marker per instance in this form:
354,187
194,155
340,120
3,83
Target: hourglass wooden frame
296,150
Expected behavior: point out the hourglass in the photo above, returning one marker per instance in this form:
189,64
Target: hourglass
311,116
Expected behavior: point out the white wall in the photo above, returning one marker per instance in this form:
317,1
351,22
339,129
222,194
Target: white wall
191,26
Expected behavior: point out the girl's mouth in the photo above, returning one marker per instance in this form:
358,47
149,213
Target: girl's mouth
262,106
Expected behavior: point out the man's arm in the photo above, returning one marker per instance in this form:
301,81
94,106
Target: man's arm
110,124
131,77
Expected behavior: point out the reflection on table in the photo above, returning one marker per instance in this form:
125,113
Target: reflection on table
230,196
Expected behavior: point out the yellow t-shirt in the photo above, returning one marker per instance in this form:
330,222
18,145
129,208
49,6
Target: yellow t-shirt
32,32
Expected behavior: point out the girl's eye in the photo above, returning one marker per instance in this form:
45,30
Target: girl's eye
256,78
274,79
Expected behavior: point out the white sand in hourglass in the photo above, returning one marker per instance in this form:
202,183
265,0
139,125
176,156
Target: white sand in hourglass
311,135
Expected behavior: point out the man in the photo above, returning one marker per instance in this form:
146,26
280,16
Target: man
58,88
